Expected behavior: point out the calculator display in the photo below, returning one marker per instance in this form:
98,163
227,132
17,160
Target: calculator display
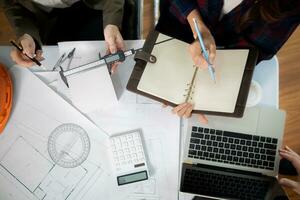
131,178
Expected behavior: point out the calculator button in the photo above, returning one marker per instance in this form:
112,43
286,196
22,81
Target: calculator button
120,152
123,139
140,154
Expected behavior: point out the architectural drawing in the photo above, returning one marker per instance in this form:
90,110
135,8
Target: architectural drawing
49,151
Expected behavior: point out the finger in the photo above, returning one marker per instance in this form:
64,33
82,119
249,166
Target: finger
203,119
188,112
201,62
212,53
39,55
28,47
289,183
182,112
120,42
287,155
18,58
294,159
113,68
179,107
111,43
164,105
290,150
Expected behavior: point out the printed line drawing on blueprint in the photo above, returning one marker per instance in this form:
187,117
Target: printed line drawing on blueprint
42,176
43,123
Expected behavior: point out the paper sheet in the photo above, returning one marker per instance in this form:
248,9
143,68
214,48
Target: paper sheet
161,131
92,90
28,169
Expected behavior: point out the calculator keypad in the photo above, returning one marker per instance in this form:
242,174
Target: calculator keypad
127,150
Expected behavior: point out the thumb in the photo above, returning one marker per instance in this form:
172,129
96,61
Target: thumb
202,119
289,183
111,44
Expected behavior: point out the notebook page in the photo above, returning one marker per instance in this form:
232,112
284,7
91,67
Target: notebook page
169,76
222,96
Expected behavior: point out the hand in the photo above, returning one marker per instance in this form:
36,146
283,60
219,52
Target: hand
209,42
28,45
114,42
294,158
185,110
196,52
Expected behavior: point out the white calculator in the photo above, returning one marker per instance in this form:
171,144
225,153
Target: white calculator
129,157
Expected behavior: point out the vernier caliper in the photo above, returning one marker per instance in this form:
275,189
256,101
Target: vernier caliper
119,56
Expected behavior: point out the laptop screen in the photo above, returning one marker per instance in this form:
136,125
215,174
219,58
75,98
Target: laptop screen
229,184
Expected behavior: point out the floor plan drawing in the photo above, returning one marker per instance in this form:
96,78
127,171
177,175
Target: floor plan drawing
53,153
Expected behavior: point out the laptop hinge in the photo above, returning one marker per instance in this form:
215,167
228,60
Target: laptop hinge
224,169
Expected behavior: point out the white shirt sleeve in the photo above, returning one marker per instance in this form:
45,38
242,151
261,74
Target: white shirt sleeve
55,3
229,5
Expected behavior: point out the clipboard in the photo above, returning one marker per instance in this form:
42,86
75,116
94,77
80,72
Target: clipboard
144,56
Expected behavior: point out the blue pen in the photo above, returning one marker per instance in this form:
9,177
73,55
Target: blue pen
210,68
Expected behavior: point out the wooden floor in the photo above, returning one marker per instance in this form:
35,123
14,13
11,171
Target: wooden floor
289,60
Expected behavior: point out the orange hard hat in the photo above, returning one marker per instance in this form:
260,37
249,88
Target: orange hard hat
6,93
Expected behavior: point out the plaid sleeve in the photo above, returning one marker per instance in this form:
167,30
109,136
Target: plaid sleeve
182,8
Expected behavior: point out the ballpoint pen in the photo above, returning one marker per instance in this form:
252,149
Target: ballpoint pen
210,68
19,48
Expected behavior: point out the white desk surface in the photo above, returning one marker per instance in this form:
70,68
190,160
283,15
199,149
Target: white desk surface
150,115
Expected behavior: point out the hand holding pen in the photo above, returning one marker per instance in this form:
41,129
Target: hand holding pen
25,53
203,49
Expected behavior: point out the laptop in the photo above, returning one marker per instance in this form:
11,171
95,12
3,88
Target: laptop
234,158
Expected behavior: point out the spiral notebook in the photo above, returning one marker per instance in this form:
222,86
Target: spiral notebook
164,71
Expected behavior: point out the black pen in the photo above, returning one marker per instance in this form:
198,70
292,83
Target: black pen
21,50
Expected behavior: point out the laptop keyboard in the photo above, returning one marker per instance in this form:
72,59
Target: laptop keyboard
212,184
232,148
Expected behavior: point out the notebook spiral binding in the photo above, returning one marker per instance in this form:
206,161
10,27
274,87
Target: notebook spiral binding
191,87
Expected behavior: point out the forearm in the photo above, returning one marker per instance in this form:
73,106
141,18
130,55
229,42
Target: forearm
182,8
195,14
113,13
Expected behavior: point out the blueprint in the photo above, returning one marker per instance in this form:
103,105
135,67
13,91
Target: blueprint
48,150
67,154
